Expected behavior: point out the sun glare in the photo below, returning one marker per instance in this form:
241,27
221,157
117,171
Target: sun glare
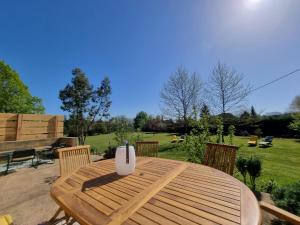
252,4
254,1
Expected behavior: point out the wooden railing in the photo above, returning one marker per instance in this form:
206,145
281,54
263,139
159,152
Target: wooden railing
14,127
280,213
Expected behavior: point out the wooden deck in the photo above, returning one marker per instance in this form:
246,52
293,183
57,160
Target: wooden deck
159,192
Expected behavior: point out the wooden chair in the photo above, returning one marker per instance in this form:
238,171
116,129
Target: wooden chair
253,140
73,158
174,139
6,220
221,157
147,148
280,213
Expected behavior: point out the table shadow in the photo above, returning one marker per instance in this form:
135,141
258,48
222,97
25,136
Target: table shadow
99,181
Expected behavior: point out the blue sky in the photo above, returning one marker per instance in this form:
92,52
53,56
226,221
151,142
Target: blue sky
139,43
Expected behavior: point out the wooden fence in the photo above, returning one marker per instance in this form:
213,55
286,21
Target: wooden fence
14,127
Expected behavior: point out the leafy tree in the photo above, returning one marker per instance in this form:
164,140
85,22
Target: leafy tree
253,112
84,103
140,120
295,105
14,94
181,94
156,124
205,110
245,116
295,125
245,119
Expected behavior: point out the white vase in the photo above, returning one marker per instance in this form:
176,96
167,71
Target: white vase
124,167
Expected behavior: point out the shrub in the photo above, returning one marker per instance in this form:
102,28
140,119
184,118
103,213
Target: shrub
194,144
220,128
288,198
122,129
110,152
241,165
94,150
254,170
269,186
231,130
136,137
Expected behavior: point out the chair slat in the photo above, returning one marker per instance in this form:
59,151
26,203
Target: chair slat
221,157
73,158
147,148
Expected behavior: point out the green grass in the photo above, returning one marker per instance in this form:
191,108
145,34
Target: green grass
281,161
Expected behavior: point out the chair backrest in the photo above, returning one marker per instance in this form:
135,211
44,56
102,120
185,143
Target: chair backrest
73,158
147,148
269,139
23,153
221,157
253,138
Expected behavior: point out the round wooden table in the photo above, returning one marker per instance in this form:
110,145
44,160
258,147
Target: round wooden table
160,191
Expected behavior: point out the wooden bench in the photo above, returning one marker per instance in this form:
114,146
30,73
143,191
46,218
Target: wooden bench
13,149
20,156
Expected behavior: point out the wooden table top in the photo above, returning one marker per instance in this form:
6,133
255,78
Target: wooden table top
160,191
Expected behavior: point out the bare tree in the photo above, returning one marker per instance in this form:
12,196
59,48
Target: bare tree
181,95
295,105
226,88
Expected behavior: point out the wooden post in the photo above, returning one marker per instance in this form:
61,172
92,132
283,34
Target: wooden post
56,126
19,127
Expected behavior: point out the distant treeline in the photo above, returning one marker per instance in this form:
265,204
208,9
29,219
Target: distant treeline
245,124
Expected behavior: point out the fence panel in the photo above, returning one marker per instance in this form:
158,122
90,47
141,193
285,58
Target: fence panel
15,127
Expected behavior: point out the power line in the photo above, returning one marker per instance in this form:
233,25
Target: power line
266,84
273,81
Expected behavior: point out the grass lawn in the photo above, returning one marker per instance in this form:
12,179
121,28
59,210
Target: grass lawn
281,161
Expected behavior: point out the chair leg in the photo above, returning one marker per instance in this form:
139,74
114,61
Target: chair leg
8,163
67,217
58,211
71,221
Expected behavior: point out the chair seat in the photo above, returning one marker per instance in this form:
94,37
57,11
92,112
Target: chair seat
6,220
20,159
